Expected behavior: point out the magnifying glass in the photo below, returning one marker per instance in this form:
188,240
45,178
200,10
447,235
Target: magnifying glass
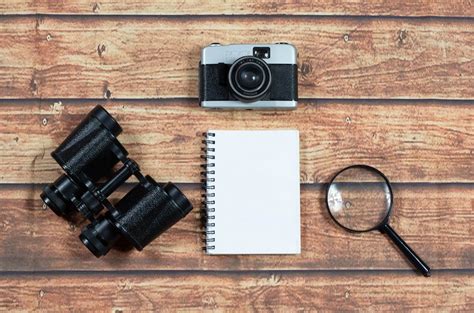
360,199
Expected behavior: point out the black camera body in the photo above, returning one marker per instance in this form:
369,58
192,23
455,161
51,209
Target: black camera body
249,76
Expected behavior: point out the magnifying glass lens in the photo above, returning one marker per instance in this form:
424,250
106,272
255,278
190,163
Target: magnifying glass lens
359,198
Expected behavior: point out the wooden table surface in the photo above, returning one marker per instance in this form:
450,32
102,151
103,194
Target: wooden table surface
386,83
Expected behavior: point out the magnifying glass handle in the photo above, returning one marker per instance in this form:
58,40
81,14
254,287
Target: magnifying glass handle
410,254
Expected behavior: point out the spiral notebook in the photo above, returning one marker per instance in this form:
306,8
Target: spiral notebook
252,192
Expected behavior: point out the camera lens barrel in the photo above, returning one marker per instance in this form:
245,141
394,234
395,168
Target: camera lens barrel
250,76
249,79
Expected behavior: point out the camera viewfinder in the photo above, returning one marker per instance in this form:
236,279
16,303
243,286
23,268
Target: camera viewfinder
261,52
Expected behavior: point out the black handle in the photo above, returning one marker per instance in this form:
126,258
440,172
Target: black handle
410,254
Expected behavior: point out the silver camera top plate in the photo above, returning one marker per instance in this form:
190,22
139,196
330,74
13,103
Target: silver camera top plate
280,53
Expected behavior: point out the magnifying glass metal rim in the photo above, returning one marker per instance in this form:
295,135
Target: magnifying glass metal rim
389,211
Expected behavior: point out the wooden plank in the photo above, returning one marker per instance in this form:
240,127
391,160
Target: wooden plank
408,141
303,7
148,57
279,292
436,220
17,57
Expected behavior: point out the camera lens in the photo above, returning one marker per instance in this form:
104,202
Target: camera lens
250,76
249,79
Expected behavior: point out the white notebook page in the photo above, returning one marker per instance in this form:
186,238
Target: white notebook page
257,192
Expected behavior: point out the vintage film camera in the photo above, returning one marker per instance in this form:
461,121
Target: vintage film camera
261,76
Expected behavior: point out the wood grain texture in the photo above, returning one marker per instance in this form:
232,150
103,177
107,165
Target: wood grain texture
278,292
304,7
149,57
435,219
408,141
348,49
17,57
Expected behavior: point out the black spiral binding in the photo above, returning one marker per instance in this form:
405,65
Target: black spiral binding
208,187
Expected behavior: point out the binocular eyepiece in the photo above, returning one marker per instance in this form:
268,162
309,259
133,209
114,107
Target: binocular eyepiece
89,155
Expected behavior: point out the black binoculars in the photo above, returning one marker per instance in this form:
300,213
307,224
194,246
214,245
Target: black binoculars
88,156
